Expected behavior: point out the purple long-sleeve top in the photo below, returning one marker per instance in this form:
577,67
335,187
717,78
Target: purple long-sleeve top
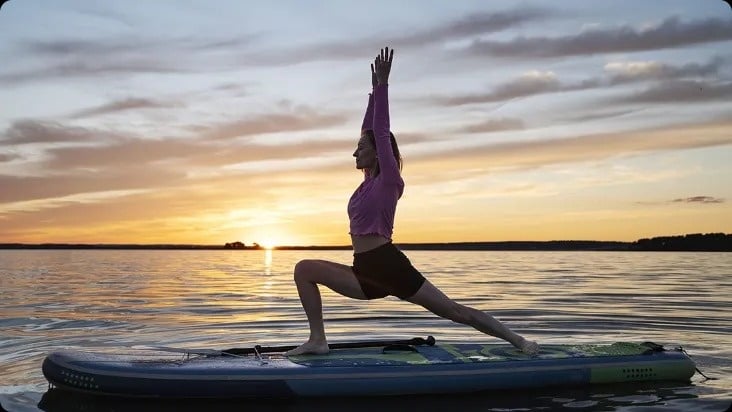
372,206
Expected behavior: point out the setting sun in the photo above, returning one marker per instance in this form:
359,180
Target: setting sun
268,244
273,237
268,236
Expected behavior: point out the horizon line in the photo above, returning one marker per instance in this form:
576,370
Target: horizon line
255,245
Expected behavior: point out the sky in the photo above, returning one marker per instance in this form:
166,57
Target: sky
211,122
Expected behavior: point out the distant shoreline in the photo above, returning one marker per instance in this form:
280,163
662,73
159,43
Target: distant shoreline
711,242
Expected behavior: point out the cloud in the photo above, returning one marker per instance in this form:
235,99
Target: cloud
37,131
129,46
298,119
99,11
76,47
131,54
193,210
123,105
123,162
404,138
671,33
703,200
185,154
534,83
478,23
128,54
135,164
472,24
600,115
93,68
533,154
633,71
8,157
132,197
676,91
699,199
24,188
492,125
529,84
119,162
119,154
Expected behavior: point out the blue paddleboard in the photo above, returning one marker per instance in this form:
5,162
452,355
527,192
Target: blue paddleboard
359,371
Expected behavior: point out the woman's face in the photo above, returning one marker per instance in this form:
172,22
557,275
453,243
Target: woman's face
365,154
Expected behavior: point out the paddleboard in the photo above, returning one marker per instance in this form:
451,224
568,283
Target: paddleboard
390,369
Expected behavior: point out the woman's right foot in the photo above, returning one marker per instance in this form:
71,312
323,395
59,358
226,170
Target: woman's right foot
309,347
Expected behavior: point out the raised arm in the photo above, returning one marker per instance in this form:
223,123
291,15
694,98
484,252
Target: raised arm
368,118
388,166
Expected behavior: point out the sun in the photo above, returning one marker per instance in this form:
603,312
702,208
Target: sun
272,238
268,244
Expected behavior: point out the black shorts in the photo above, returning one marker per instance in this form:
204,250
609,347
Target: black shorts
386,271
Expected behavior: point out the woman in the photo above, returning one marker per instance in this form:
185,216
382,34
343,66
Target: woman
379,268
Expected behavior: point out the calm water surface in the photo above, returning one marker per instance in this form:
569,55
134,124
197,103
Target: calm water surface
106,299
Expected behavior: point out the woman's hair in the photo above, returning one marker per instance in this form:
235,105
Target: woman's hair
394,146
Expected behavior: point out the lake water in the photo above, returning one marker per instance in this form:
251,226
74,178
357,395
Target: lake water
92,299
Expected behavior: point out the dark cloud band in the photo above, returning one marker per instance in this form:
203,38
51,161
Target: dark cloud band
671,33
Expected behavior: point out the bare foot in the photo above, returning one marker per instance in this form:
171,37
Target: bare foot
316,348
529,347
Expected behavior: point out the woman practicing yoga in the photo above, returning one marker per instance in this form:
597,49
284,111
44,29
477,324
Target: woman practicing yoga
379,268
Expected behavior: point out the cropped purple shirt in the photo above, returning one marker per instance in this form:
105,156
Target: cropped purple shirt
372,206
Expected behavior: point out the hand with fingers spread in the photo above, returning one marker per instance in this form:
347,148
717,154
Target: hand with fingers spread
382,65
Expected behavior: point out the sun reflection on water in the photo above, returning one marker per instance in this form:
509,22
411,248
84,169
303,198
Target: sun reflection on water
268,261
268,280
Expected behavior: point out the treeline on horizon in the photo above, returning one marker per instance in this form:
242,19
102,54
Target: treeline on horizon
717,242
709,242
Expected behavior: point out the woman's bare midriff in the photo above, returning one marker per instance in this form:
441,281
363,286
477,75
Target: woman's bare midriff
364,243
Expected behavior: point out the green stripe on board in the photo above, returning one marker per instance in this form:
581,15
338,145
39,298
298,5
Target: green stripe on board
411,358
457,355
615,349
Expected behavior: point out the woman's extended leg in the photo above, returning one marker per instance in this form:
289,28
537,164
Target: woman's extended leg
339,278
438,303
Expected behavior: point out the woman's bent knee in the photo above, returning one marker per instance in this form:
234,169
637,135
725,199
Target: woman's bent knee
304,269
313,271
